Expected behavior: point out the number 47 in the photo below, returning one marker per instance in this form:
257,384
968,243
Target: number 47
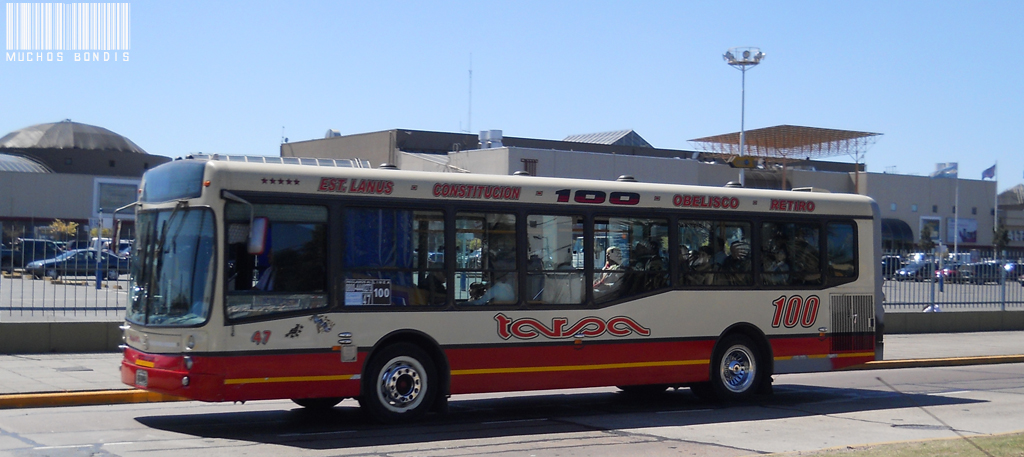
260,337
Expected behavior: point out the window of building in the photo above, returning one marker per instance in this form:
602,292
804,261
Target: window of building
974,210
530,166
935,208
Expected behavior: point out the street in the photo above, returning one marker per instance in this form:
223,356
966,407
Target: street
807,412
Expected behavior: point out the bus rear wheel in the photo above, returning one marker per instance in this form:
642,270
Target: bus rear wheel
737,369
399,384
318,403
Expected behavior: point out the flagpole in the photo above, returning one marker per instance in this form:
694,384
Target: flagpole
995,217
956,217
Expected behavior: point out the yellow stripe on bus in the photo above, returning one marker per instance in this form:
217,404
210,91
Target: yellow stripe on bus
144,363
344,377
827,356
605,366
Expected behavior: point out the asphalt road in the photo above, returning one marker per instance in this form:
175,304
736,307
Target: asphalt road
807,412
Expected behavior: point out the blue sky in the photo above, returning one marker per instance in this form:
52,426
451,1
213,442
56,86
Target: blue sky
940,80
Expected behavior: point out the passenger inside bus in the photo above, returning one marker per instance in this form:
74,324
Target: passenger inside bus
434,285
698,270
499,291
735,268
611,274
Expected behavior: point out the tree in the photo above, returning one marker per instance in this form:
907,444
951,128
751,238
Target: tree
107,232
67,229
926,244
1000,238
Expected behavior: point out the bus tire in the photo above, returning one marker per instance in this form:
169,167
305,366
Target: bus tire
318,403
738,368
399,385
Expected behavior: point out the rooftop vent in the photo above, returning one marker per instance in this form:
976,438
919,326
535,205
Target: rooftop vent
626,178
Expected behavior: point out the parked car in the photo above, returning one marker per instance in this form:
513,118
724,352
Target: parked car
79,262
27,250
890,265
916,271
954,273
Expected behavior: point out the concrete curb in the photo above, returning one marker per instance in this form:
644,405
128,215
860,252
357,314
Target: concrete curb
943,362
96,397
115,397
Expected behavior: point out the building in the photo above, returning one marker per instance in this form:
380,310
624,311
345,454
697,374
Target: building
70,171
784,154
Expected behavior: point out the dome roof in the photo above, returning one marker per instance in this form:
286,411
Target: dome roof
68,135
10,162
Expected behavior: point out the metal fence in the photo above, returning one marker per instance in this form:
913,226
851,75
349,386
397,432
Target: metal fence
973,281
48,280
978,282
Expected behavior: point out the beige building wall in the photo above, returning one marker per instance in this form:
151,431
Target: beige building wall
377,147
918,198
46,195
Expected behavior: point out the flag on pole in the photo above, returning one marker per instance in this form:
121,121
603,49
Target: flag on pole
989,172
945,170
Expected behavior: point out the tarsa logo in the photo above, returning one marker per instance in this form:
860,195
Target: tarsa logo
529,328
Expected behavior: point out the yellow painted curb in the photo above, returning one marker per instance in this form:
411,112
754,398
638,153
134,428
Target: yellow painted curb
101,397
943,362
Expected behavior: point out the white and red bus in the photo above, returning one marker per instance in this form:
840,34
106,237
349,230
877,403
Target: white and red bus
399,288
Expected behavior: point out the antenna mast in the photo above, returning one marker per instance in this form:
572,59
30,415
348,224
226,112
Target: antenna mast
469,123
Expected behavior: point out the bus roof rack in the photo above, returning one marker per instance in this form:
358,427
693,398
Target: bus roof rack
811,189
312,161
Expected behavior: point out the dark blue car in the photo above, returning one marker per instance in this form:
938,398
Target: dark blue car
79,262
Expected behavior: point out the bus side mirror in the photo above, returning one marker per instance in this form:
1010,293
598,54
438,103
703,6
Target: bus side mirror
258,235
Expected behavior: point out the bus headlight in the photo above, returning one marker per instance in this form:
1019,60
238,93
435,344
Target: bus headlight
188,363
191,343
185,381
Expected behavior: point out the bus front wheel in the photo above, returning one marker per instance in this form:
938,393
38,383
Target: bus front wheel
737,369
399,385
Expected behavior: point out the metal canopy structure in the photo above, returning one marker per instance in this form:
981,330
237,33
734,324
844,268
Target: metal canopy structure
791,142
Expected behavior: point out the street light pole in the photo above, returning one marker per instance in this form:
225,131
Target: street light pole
742,58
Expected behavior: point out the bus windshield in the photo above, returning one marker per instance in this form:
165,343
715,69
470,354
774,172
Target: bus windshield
172,267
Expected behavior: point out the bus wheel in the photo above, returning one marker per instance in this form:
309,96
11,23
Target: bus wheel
737,368
399,384
318,403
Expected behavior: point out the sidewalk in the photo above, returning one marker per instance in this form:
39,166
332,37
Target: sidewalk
66,373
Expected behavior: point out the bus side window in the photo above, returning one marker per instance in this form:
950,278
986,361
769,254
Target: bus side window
290,274
642,266
397,253
731,242
789,254
554,269
842,248
486,263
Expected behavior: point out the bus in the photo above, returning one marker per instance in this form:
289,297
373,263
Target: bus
321,282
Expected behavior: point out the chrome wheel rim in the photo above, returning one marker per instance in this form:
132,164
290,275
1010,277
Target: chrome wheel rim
401,384
738,369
